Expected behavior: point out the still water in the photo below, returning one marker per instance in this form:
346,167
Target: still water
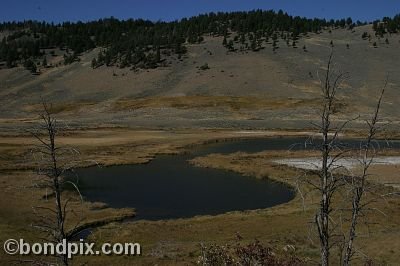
169,187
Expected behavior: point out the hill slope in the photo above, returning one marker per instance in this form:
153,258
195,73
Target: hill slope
240,89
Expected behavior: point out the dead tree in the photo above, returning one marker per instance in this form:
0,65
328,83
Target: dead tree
358,183
329,183
52,163
332,175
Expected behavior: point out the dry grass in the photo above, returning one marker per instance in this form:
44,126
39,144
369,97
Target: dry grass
63,107
233,103
376,229
177,241
110,146
19,196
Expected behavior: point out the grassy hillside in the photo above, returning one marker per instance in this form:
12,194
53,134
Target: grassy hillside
272,89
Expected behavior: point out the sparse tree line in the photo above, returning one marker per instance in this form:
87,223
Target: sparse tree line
383,29
146,44
386,25
282,27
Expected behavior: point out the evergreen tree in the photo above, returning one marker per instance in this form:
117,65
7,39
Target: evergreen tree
230,45
274,46
94,63
158,55
30,65
140,37
44,62
349,21
253,44
224,42
364,35
242,38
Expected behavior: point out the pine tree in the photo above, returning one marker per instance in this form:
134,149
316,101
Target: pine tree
224,42
364,35
30,65
33,68
274,46
44,62
242,38
253,44
158,55
94,63
231,46
349,21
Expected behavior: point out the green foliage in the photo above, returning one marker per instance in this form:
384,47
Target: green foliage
70,58
44,62
379,28
134,42
253,44
386,25
204,67
224,41
242,38
365,35
158,55
94,63
349,21
230,45
30,65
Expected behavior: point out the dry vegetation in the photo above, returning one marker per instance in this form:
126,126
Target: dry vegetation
177,241
240,90
233,103
116,115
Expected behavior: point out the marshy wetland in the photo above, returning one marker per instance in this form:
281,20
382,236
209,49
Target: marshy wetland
248,156
169,186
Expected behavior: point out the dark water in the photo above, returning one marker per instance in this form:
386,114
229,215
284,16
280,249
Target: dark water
169,187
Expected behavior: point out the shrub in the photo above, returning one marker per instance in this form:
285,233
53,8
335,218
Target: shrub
251,254
204,67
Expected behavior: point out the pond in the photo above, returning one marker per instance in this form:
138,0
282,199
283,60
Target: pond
168,187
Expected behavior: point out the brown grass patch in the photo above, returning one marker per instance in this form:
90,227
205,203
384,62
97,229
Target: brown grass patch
233,103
